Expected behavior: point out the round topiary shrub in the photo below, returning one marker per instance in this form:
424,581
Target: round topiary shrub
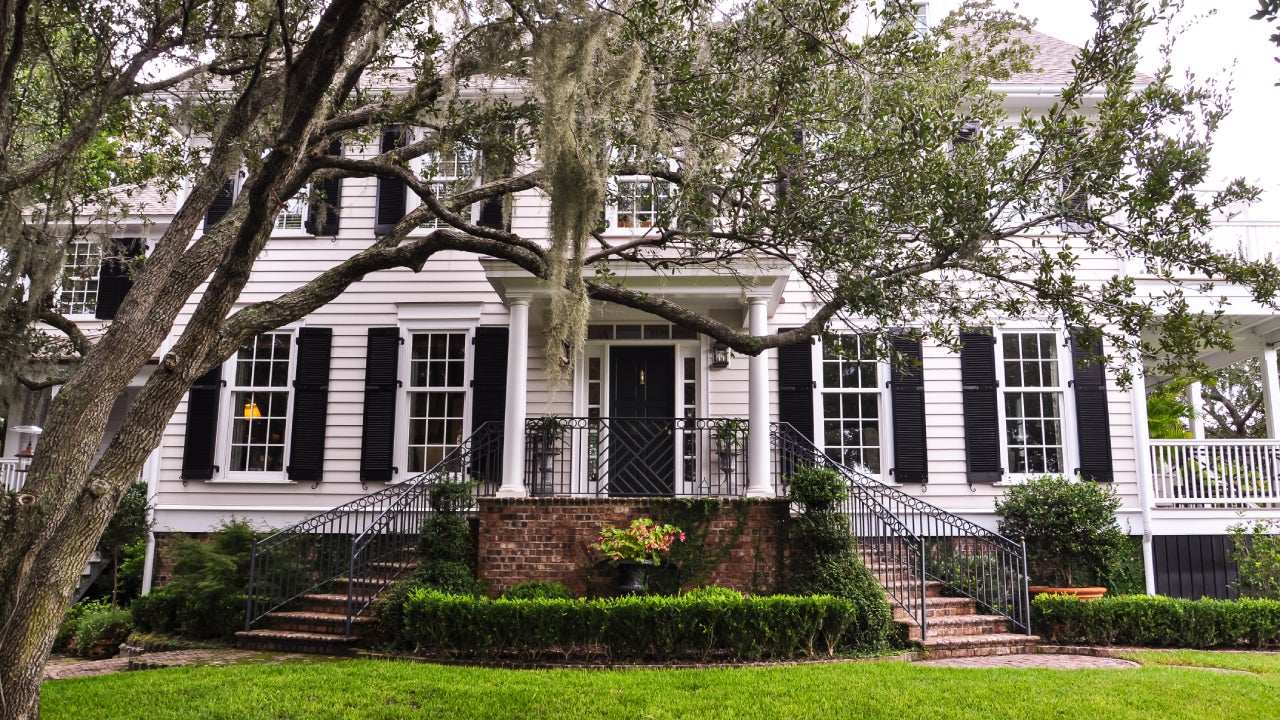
1069,527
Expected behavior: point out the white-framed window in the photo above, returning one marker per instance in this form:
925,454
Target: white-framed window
259,401
293,214
1033,402
450,170
437,396
638,203
920,14
79,294
852,404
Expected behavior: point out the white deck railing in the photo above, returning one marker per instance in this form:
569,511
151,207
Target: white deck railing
10,479
1252,239
1191,473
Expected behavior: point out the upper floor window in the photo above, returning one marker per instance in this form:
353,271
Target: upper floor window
851,417
449,171
259,392
920,13
640,202
79,295
293,213
1033,400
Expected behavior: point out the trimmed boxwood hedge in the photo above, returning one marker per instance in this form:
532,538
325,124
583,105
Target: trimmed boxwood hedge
698,626
1157,621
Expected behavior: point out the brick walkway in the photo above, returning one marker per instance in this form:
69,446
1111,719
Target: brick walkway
1035,660
60,668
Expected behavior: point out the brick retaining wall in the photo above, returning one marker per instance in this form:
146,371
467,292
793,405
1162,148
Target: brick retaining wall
522,539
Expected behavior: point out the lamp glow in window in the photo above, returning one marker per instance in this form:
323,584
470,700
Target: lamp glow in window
260,390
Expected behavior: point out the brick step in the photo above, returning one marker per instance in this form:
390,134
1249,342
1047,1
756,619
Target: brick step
314,622
941,647
932,588
325,603
960,626
939,607
299,642
361,583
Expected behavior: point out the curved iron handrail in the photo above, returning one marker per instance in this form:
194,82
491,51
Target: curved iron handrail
894,552
966,557
315,552
382,550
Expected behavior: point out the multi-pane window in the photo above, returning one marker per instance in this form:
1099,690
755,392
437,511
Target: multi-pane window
920,17
293,213
260,403
79,294
1033,403
641,202
449,171
437,396
851,403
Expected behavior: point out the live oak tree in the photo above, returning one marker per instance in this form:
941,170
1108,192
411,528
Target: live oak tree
876,162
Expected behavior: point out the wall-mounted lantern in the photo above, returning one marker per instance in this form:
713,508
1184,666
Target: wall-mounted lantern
719,356
25,455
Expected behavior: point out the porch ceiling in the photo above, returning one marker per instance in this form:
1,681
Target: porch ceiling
1251,333
726,287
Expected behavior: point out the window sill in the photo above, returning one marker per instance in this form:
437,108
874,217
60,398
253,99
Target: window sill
251,481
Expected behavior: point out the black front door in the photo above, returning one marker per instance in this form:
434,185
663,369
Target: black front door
642,408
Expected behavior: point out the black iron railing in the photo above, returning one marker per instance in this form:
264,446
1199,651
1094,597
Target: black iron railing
361,547
908,541
634,457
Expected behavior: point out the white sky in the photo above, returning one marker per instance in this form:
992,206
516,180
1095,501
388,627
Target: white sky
1221,42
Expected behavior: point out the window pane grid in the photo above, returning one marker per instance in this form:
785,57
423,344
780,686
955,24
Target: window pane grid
448,170
1033,412
260,404
641,202
437,397
851,403
291,216
79,294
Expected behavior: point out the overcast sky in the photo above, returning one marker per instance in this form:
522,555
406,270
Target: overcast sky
1220,41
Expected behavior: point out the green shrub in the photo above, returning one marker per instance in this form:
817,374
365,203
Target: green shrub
535,590
1069,527
1256,553
446,537
825,562
209,581
692,626
67,628
102,623
1157,621
156,612
714,591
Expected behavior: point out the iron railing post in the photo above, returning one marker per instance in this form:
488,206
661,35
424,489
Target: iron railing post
248,602
924,612
1026,594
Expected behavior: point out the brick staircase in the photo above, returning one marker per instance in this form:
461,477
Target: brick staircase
319,624
955,627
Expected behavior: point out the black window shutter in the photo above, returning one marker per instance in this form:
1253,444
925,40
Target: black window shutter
489,396
310,404
377,442
202,426
491,214
1093,428
391,192
221,204
114,279
906,391
326,201
981,420
795,386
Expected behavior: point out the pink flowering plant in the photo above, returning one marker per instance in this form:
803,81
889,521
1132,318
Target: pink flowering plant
644,541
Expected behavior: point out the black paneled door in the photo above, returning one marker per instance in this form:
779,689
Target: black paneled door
641,435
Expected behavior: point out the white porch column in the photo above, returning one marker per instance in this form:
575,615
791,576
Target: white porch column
1138,398
758,484
1270,389
517,395
1197,410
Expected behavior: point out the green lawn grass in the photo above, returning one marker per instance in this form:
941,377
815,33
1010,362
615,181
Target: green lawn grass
1261,663
379,689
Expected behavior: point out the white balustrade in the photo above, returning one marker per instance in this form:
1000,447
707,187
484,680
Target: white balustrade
1252,239
10,479
1215,473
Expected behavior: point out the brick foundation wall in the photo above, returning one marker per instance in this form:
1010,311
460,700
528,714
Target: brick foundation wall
546,539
